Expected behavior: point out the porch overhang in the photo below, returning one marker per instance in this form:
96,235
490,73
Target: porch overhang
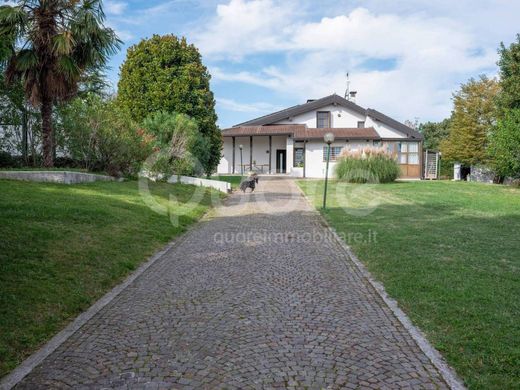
302,132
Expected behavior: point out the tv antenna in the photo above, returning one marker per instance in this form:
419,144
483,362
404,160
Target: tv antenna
347,91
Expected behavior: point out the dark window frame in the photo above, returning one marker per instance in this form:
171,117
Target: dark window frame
295,165
318,119
334,154
361,124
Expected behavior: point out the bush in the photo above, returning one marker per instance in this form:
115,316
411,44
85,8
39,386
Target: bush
99,136
179,146
369,166
8,161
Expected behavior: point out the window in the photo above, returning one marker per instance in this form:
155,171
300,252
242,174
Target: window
409,153
322,119
298,157
335,151
377,144
361,124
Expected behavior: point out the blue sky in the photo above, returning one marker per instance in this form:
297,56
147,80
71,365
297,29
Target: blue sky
405,57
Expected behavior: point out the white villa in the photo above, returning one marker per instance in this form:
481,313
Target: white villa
291,141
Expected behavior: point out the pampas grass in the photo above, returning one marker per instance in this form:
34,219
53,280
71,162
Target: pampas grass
370,165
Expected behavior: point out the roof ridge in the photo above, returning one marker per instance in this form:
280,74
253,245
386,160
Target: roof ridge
278,115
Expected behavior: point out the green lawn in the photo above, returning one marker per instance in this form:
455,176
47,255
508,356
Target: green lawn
450,254
64,246
233,179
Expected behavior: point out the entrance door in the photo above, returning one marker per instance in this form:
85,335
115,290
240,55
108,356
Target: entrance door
281,161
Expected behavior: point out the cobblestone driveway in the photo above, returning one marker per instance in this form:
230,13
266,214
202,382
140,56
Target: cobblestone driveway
245,300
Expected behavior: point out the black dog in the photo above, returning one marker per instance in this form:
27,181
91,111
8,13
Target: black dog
250,182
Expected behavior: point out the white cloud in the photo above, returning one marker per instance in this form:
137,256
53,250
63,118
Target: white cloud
115,7
244,27
430,54
232,105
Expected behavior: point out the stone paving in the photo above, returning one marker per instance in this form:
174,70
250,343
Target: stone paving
245,300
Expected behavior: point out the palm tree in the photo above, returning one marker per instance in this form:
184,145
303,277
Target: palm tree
50,44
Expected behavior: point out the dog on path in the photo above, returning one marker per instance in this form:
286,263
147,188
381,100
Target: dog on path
249,182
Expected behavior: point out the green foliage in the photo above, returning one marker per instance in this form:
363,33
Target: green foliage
434,133
101,137
165,73
474,115
509,64
179,146
504,147
50,57
368,167
64,246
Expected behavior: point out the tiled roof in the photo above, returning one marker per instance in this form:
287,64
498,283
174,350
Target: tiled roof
301,108
262,130
301,132
328,100
339,133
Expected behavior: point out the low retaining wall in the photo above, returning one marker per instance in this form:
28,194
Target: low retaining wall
65,177
221,186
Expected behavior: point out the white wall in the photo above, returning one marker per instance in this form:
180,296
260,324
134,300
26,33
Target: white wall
314,164
346,118
226,160
383,130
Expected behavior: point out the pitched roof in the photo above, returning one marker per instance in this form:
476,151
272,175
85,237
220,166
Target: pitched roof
301,132
328,100
411,133
301,108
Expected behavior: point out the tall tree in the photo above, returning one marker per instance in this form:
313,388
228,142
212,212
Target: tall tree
51,43
473,117
509,64
434,133
165,73
504,146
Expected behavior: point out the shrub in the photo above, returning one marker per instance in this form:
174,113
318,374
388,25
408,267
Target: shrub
7,161
179,146
101,137
369,166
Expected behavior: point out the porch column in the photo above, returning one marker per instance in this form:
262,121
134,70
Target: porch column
289,158
270,144
304,152
251,153
233,169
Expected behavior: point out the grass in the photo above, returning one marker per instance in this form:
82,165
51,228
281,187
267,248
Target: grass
64,246
233,179
450,254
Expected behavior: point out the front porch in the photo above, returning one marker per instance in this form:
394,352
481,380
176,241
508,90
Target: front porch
263,154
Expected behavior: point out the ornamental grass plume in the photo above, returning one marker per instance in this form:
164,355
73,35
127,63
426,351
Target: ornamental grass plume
368,165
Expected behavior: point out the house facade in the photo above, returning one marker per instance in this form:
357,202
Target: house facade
291,141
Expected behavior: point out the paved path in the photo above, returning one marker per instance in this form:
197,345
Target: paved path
263,307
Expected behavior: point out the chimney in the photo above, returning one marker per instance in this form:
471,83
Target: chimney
352,96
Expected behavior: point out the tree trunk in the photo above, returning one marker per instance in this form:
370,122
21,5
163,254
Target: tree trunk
48,153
